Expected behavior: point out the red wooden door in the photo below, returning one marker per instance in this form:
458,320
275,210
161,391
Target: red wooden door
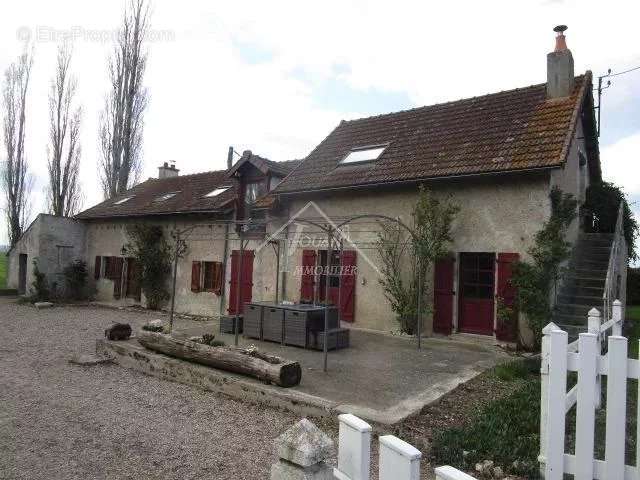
443,296
507,330
307,275
348,285
247,281
477,283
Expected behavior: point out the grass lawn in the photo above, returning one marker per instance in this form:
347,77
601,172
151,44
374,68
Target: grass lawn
504,427
3,270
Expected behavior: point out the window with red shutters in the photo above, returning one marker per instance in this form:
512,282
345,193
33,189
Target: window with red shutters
195,276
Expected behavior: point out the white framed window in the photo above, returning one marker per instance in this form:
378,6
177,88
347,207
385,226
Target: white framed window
165,197
364,154
217,191
123,200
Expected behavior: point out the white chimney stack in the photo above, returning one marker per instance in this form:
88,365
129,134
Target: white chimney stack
168,171
560,77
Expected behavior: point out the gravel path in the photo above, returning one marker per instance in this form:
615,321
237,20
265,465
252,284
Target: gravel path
63,421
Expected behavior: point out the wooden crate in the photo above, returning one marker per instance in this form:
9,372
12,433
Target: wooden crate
227,324
272,323
338,338
252,320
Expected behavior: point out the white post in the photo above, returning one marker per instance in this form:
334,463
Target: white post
585,409
544,390
398,459
354,448
450,473
593,325
616,407
617,318
554,455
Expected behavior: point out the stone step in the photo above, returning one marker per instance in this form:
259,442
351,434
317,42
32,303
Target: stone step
572,289
578,271
565,319
594,256
585,282
580,300
573,309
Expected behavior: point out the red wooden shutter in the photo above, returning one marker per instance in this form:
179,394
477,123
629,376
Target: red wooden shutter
247,281
307,277
443,296
118,266
348,285
97,267
507,293
195,276
218,281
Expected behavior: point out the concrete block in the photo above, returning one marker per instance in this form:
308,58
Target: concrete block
41,305
398,459
355,448
287,471
87,359
304,444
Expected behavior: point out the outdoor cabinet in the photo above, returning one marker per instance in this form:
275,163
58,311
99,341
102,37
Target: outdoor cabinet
296,324
252,321
228,322
338,338
272,323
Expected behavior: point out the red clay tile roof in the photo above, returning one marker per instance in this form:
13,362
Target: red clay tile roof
190,191
190,197
511,130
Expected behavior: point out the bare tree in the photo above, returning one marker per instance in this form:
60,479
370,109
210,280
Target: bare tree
122,120
16,181
63,193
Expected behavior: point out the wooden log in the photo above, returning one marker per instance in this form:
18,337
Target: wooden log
268,368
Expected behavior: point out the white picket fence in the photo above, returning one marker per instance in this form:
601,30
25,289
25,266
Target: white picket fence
585,357
397,459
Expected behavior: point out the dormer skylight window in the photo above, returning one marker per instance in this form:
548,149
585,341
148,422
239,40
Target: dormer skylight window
217,191
123,200
165,197
364,154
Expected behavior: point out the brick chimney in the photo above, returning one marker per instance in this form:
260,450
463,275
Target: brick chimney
167,171
560,77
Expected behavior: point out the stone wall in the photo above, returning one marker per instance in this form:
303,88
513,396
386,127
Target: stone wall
54,242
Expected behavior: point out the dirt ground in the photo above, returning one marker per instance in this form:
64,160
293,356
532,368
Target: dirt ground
64,421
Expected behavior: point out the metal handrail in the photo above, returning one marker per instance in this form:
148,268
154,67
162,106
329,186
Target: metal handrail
609,284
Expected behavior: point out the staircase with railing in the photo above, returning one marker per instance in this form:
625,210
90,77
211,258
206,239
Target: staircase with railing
595,277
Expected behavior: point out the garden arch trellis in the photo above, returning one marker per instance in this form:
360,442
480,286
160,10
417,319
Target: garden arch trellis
333,231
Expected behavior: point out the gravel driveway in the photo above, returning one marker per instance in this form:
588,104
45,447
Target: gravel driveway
63,421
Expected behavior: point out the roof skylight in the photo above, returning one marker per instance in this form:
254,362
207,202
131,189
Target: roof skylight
364,154
217,191
123,200
165,197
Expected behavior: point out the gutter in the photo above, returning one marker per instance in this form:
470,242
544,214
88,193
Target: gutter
420,180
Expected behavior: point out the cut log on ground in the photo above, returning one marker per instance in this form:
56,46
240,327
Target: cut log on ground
269,368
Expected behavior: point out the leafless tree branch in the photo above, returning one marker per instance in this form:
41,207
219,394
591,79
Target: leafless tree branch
16,181
64,195
122,120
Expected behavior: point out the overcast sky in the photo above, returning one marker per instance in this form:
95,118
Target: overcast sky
275,77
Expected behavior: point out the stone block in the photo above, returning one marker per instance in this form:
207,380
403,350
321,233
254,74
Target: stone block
304,444
288,471
41,305
86,359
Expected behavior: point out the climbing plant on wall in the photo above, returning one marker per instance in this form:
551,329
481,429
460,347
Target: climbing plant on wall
535,279
147,244
432,219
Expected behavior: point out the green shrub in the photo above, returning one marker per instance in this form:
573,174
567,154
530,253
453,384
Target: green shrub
75,278
505,431
517,369
152,252
40,291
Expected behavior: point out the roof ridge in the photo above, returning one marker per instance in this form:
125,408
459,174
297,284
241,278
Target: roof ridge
208,172
460,100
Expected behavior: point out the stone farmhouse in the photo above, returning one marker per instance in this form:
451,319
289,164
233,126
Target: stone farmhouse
496,156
